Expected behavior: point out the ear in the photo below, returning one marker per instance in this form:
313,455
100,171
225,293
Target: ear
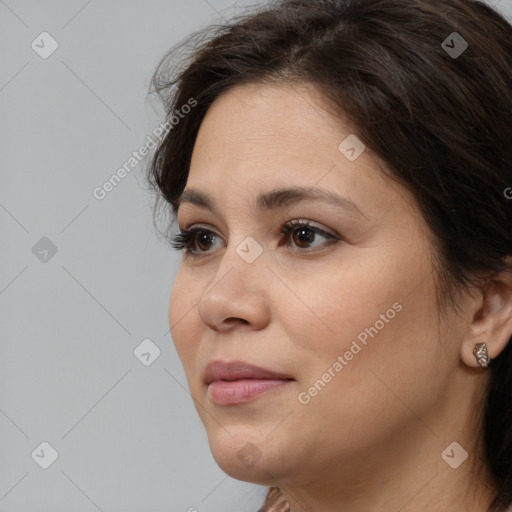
492,320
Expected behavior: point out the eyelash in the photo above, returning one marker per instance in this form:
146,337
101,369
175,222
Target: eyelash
185,238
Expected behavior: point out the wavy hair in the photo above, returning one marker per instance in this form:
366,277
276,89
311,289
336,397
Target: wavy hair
437,112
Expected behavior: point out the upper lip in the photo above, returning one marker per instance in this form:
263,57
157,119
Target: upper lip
233,370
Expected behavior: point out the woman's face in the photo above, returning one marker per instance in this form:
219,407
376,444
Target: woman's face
348,315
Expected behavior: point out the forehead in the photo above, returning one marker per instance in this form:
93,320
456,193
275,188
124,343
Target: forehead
258,139
273,118
268,133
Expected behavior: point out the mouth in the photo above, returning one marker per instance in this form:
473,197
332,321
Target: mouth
237,382
235,392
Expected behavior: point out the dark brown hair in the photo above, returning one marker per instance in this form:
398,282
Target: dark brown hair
438,114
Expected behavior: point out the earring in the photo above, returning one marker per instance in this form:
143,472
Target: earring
481,355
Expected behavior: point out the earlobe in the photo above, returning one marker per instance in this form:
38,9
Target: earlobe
491,327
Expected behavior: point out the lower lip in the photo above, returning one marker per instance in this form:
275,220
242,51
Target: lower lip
233,392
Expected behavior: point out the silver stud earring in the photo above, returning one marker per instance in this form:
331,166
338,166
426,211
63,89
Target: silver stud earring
481,355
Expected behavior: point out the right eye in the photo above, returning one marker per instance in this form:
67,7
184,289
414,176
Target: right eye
189,239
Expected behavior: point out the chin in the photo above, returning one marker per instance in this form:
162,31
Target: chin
245,460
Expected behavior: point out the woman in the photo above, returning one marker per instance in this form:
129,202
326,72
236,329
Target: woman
343,308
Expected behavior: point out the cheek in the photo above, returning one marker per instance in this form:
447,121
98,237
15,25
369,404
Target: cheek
183,318
373,313
387,361
337,300
179,303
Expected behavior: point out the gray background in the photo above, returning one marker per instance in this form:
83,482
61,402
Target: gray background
127,434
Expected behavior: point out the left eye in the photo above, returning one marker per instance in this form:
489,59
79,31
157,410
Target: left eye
302,233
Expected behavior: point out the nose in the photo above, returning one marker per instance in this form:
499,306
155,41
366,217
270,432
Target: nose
238,296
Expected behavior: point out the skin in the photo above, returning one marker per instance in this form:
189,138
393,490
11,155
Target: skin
372,438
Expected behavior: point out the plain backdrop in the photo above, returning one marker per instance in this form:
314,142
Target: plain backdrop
95,413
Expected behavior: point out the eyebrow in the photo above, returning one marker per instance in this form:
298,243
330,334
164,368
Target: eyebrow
277,199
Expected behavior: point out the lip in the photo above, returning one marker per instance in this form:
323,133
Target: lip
234,370
237,382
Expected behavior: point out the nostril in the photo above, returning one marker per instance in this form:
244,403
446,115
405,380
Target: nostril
235,319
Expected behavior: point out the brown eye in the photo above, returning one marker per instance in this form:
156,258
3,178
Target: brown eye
204,238
198,241
303,236
193,241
